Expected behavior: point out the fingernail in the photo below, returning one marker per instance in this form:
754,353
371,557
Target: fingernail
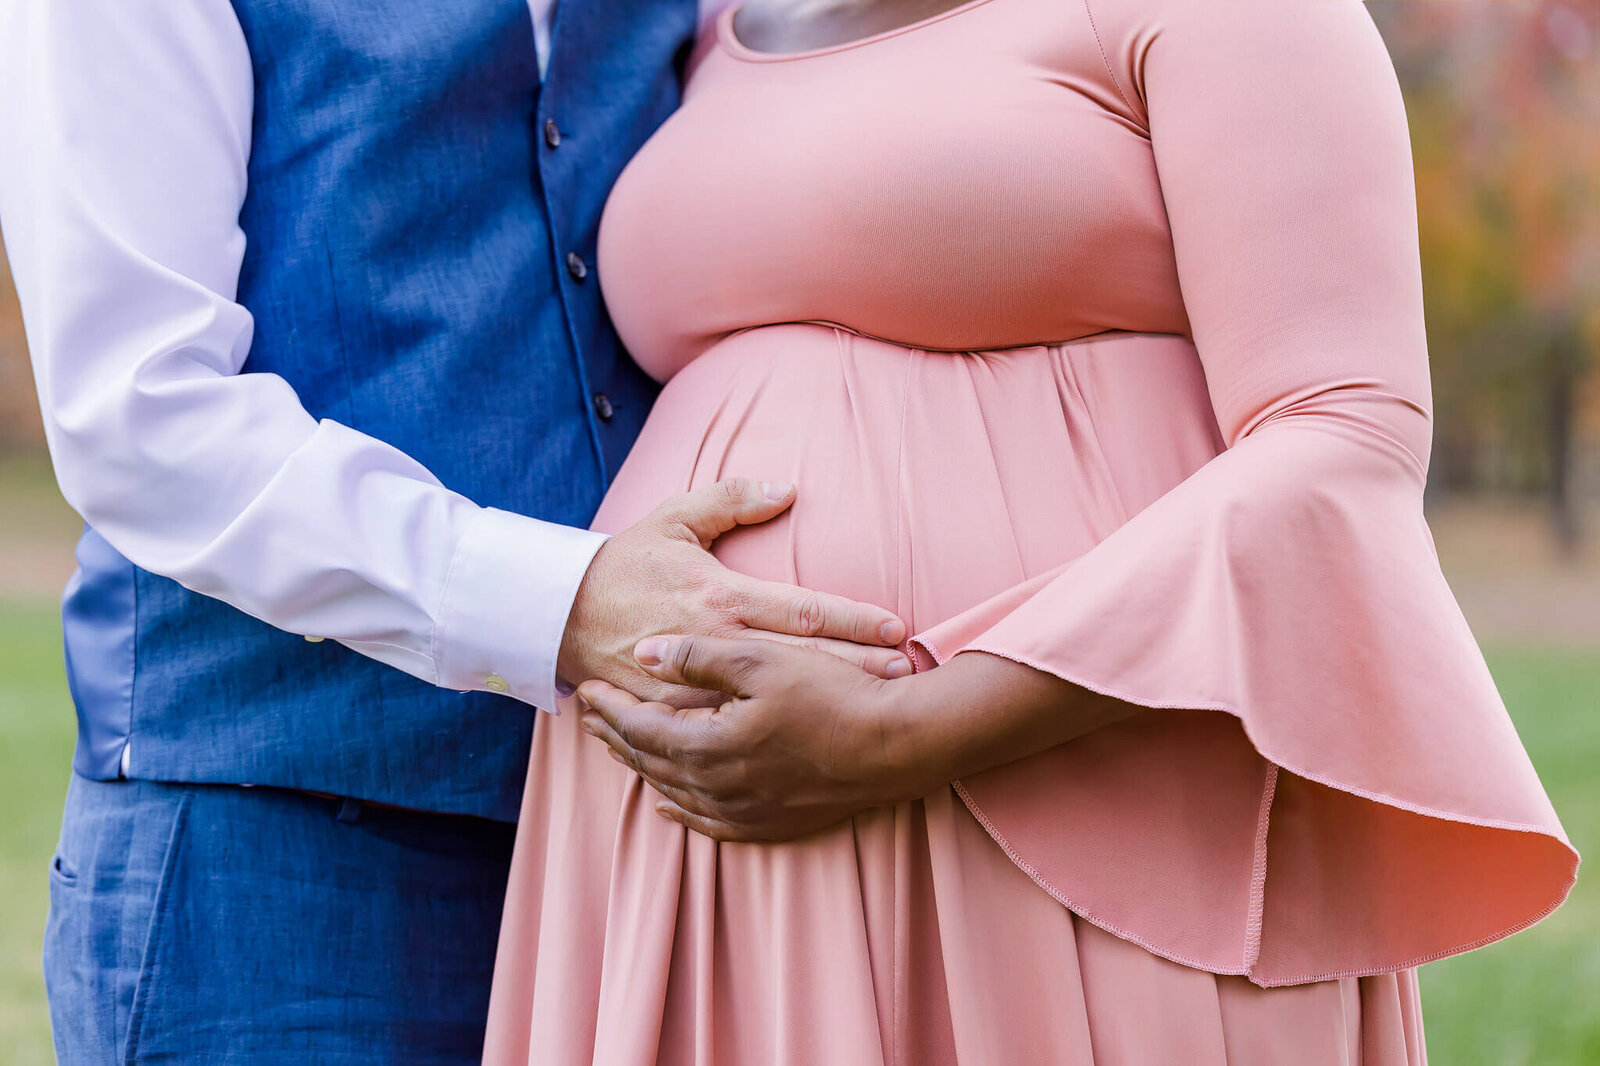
900,667
661,809
650,651
893,631
776,490
586,723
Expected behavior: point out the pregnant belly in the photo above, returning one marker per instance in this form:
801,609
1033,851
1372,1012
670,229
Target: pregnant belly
927,481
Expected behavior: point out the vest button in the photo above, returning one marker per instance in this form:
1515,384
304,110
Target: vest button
576,266
552,133
603,407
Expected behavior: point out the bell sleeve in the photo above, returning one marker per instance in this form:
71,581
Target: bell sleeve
1326,782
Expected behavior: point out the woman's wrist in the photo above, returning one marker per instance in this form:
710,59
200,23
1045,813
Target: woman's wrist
981,710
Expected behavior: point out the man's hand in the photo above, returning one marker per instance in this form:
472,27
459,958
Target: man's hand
660,576
807,740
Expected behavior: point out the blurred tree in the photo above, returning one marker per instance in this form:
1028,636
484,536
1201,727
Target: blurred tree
1504,104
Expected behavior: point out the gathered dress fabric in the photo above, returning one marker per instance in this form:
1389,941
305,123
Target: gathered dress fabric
1092,335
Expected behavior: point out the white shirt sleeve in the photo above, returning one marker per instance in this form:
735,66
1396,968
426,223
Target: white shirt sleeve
125,133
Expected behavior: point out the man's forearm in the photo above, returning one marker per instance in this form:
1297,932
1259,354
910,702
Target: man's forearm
122,212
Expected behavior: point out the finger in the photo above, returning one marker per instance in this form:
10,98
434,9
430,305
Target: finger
726,832
688,802
781,608
711,511
723,664
652,768
666,777
648,728
886,663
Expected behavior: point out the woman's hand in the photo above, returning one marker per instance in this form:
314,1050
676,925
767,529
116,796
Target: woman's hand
807,740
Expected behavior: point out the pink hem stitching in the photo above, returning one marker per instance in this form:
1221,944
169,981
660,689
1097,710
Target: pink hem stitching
1258,870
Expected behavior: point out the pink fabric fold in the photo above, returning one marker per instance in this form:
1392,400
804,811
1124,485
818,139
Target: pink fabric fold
1361,804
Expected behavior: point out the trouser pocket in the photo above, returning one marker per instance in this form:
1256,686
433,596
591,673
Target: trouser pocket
107,879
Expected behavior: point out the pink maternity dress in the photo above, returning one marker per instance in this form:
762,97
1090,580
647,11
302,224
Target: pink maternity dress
1092,336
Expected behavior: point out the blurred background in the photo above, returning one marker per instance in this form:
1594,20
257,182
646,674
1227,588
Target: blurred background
1504,102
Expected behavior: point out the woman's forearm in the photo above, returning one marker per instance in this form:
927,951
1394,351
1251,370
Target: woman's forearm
979,710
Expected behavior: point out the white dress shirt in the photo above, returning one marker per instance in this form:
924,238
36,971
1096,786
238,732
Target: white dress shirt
125,133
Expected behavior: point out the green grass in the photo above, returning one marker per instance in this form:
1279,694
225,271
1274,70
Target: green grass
1535,998
1532,999
36,734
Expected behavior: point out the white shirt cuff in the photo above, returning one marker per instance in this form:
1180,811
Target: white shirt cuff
505,605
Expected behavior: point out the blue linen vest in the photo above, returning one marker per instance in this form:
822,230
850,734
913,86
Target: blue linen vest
415,196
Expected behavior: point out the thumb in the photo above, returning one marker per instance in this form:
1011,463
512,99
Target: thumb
718,664
711,511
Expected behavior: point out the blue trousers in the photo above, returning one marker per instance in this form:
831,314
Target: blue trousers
201,924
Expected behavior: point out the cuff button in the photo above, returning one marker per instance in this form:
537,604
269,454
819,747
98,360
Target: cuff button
496,683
